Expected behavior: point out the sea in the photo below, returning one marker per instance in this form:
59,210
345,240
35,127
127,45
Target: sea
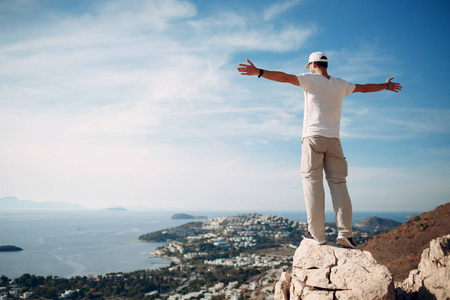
68,243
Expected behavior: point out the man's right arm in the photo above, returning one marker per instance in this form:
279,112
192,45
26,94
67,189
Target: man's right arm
251,70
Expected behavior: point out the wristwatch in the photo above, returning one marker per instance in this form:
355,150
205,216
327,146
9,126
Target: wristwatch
261,72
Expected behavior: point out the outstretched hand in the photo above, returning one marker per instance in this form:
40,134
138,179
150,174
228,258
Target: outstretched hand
394,86
249,70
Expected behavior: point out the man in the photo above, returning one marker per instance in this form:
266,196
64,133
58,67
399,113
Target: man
321,147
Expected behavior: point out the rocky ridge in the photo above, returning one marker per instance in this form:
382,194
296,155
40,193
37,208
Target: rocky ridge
400,249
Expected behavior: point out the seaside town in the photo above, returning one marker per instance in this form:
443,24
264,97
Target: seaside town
236,257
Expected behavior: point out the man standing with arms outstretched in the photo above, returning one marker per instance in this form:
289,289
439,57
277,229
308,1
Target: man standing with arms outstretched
321,147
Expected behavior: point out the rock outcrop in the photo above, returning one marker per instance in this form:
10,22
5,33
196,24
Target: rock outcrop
432,278
327,272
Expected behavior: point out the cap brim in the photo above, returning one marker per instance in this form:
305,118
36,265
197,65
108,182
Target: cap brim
307,65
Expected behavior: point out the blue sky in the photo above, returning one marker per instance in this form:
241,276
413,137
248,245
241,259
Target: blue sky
116,103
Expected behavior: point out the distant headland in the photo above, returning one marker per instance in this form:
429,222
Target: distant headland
116,209
379,223
187,217
13,202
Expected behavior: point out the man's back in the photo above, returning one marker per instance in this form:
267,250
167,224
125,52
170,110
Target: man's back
323,103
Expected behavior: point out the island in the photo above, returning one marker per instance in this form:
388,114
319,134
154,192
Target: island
188,217
10,248
378,223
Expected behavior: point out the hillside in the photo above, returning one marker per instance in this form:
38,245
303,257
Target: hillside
400,249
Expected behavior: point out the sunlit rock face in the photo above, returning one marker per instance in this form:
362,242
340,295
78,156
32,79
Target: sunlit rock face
328,272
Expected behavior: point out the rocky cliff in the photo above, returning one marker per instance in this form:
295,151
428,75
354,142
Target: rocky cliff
400,249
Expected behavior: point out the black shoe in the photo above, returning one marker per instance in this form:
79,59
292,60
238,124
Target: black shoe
346,242
307,236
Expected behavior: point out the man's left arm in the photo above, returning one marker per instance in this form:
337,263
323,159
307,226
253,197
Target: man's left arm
376,87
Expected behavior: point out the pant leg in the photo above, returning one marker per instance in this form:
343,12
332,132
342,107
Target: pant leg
336,171
312,176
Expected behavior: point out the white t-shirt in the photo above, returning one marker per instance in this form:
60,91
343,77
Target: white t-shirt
323,103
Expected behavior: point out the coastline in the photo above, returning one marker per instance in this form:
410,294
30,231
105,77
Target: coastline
175,259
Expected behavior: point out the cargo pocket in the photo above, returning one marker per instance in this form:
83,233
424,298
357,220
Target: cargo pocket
305,163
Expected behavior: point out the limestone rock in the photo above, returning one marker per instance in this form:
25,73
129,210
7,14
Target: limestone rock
327,272
282,287
432,278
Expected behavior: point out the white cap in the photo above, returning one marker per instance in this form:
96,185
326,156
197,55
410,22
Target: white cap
316,56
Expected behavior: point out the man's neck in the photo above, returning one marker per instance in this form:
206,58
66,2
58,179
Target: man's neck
321,71
324,73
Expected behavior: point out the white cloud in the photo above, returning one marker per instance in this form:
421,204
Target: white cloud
362,119
141,118
142,15
267,39
278,8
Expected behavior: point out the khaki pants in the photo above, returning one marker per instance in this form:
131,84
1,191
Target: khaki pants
324,153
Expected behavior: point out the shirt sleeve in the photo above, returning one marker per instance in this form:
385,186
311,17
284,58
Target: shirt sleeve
349,87
304,81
